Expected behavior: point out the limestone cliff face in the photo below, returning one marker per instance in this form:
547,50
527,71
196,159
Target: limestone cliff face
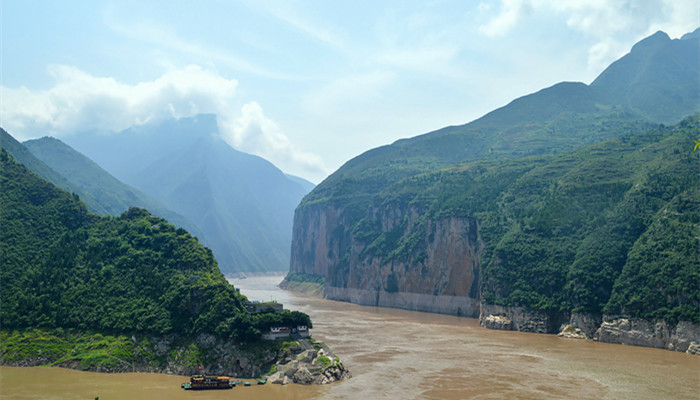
684,336
433,265
317,230
417,263
518,319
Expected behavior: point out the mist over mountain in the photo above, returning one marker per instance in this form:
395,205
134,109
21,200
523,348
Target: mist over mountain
110,193
242,203
22,154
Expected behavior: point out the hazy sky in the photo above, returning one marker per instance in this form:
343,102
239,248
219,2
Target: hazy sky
306,84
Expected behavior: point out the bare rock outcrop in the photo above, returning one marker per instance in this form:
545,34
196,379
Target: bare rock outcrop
571,332
518,319
684,336
438,273
310,367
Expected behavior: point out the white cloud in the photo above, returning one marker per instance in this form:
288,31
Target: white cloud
613,25
165,37
512,12
253,130
79,102
347,91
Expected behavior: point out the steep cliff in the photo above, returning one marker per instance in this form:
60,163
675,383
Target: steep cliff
434,264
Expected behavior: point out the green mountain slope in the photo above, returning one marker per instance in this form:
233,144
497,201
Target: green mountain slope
113,195
23,155
658,78
657,82
63,267
613,228
563,230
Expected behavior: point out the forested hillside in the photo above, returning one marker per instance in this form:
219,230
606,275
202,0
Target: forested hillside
656,82
610,228
566,233
63,267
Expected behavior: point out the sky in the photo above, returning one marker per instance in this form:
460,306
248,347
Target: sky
308,85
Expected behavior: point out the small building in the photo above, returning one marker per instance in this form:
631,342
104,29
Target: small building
280,332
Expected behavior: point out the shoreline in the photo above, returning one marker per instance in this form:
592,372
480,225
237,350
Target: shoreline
172,355
682,337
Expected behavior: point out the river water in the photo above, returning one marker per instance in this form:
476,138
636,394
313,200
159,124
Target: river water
397,354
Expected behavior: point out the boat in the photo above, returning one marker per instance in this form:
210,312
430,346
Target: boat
204,382
262,381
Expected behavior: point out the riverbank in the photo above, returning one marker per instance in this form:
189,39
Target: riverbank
682,336
398,354
171,354
313,285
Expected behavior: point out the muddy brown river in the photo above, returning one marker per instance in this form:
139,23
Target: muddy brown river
397,354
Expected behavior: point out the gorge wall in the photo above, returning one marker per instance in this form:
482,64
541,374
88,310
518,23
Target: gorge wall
440,274
434,268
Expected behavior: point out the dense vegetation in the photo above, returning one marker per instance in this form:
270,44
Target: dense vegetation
107,352
655,83
63,267
610,228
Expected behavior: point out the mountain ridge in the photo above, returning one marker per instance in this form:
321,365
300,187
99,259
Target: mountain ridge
70,277
115,196
24,156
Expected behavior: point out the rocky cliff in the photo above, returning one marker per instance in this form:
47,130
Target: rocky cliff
435,269
683,336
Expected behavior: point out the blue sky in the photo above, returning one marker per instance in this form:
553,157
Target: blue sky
306,84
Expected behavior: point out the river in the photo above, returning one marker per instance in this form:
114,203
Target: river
398,354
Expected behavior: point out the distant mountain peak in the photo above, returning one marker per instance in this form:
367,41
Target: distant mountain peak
657,39
692,35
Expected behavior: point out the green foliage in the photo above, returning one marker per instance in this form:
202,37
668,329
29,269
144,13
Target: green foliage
95,351
564,185
324,361
573,232
66,268
25,157
89,350
299,277
662,273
